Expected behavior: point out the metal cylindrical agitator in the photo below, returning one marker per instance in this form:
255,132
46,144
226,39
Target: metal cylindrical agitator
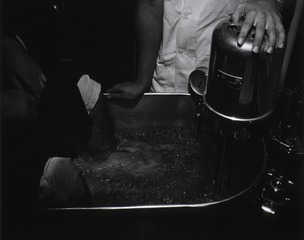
241,85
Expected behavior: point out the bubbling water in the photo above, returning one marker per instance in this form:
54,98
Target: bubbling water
151,167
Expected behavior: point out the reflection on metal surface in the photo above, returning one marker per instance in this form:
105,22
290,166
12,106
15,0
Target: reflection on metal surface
238,119
154,166
267,208
229,79
197,81
276,192
241,85
153,110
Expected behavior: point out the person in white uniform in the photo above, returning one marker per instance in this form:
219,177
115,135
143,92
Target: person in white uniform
187,30
175,38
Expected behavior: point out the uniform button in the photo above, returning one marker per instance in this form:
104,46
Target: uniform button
181,50
186,13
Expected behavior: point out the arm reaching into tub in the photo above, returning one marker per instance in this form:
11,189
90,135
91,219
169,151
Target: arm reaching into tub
265,16
148,20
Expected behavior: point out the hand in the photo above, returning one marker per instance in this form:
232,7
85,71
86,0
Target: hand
22,71
264,15
127,90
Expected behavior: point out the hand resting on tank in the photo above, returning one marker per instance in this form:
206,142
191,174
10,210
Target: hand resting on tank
265,17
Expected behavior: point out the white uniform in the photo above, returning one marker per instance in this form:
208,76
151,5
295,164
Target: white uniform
187,31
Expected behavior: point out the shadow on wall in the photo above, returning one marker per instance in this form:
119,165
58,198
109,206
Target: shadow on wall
102,37
98,35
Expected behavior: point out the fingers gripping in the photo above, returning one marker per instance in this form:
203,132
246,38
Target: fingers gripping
246,26
272,35
264,16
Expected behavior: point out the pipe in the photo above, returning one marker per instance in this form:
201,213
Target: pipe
291,38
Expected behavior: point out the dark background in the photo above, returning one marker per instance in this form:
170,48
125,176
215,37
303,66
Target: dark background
97,38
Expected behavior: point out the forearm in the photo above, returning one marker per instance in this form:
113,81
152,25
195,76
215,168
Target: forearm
149,18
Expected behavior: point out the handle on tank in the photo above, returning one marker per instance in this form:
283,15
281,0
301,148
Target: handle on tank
197,84
197,81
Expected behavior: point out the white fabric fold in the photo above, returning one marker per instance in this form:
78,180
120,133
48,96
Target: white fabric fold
89,90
